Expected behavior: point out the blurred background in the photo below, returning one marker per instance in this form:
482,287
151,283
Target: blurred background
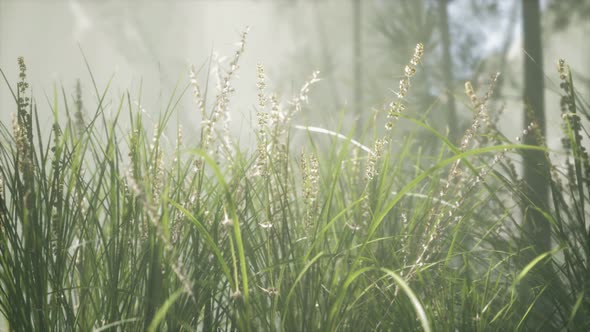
360,48
146,47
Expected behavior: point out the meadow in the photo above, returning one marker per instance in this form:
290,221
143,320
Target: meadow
112,227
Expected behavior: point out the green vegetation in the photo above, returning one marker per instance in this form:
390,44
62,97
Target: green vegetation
105,226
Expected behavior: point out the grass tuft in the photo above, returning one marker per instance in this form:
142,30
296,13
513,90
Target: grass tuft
107,225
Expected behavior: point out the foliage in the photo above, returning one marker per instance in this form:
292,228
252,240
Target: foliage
105,227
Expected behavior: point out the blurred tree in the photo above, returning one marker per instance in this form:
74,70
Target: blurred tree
454,48
536,228
536,172
447,67
317,47
327,57
358,71
566,12
396,29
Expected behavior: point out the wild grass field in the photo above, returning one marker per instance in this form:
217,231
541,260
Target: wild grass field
122,227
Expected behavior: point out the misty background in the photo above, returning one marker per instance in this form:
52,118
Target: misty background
360,48
151,44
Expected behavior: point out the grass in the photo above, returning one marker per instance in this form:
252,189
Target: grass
106,226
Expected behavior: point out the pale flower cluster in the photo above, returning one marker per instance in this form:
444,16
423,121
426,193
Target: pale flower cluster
397,106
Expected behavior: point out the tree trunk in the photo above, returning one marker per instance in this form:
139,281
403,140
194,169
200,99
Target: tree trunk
357,63
447,67
536,172
536,228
